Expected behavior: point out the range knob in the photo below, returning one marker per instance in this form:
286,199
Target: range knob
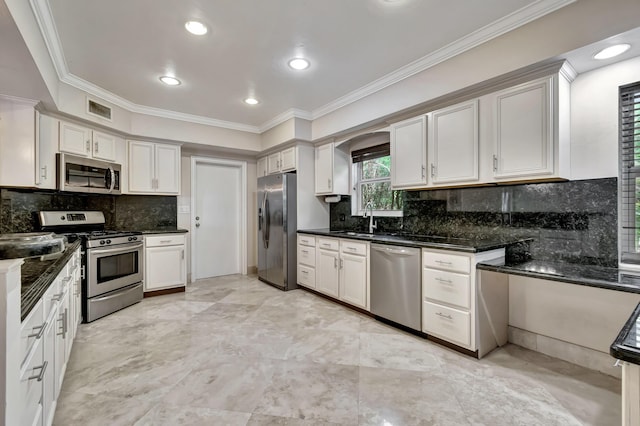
133,238
101,242
108,241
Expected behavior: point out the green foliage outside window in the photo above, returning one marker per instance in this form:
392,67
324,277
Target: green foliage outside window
375,185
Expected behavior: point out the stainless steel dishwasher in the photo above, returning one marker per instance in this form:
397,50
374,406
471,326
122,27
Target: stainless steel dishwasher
396,292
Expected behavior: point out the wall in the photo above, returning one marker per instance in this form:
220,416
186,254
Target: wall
19,207
548,37
572,221
594,119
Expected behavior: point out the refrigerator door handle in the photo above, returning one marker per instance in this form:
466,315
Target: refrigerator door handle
267,227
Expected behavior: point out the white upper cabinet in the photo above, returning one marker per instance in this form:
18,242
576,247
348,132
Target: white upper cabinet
332,170
75,139
154,168
288,159
104,146
279,162
531,130
261,167
273,163
453,144
85,142
409,153
28,144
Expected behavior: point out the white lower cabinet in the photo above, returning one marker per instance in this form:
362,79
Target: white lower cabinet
165,262
307,261
450,294
46,338
327,272
336,267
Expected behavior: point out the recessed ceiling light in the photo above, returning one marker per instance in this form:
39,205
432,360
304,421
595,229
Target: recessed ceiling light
299,64
251,101
612,51
195,27
169,81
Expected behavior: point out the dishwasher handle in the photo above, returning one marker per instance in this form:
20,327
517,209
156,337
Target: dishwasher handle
395,251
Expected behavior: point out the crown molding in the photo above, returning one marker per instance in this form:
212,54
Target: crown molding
287,115
476,38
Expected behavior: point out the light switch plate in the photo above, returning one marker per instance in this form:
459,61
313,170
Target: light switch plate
183,209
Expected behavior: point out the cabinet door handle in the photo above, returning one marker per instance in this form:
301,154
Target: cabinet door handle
329,183
433,170
88,145
305,251
42,369
423,171
442,262
95,147
443,281
495,163
182,254
341,263
44,172
57,297
335,262
40,332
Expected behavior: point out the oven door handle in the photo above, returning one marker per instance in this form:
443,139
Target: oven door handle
111,296
95,251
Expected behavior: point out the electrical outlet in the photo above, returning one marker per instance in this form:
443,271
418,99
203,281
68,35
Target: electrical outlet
183,209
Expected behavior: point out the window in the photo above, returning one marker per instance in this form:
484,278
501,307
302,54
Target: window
629,128
372,182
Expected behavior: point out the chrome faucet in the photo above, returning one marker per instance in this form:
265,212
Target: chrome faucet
372,223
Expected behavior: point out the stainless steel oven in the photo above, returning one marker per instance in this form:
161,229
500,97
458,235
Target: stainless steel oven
113,267
114,274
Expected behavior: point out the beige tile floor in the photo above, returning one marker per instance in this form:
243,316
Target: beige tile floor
235,351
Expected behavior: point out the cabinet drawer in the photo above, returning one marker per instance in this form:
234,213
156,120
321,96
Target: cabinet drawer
307,255
306,240
353,247
447,323
32,330
447,287
328,244
446,261
306,276
30,390
164,240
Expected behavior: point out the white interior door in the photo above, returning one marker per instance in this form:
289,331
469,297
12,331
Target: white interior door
218,217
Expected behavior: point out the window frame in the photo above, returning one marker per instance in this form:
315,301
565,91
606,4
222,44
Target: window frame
357,209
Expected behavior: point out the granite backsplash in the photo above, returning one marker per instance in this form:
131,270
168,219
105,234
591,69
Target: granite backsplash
19,207
575,221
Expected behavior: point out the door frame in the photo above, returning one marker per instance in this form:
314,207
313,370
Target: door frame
242,165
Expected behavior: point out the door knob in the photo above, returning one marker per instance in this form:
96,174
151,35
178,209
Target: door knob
197,217
197,225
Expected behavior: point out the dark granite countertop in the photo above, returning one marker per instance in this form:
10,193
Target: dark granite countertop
589,275
627,345
469,245
164,230
37,275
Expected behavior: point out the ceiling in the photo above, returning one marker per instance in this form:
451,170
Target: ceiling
116,50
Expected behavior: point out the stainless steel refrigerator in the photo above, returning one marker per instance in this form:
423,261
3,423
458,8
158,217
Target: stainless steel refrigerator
277,230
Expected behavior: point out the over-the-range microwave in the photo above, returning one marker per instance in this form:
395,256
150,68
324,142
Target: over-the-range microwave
78,174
